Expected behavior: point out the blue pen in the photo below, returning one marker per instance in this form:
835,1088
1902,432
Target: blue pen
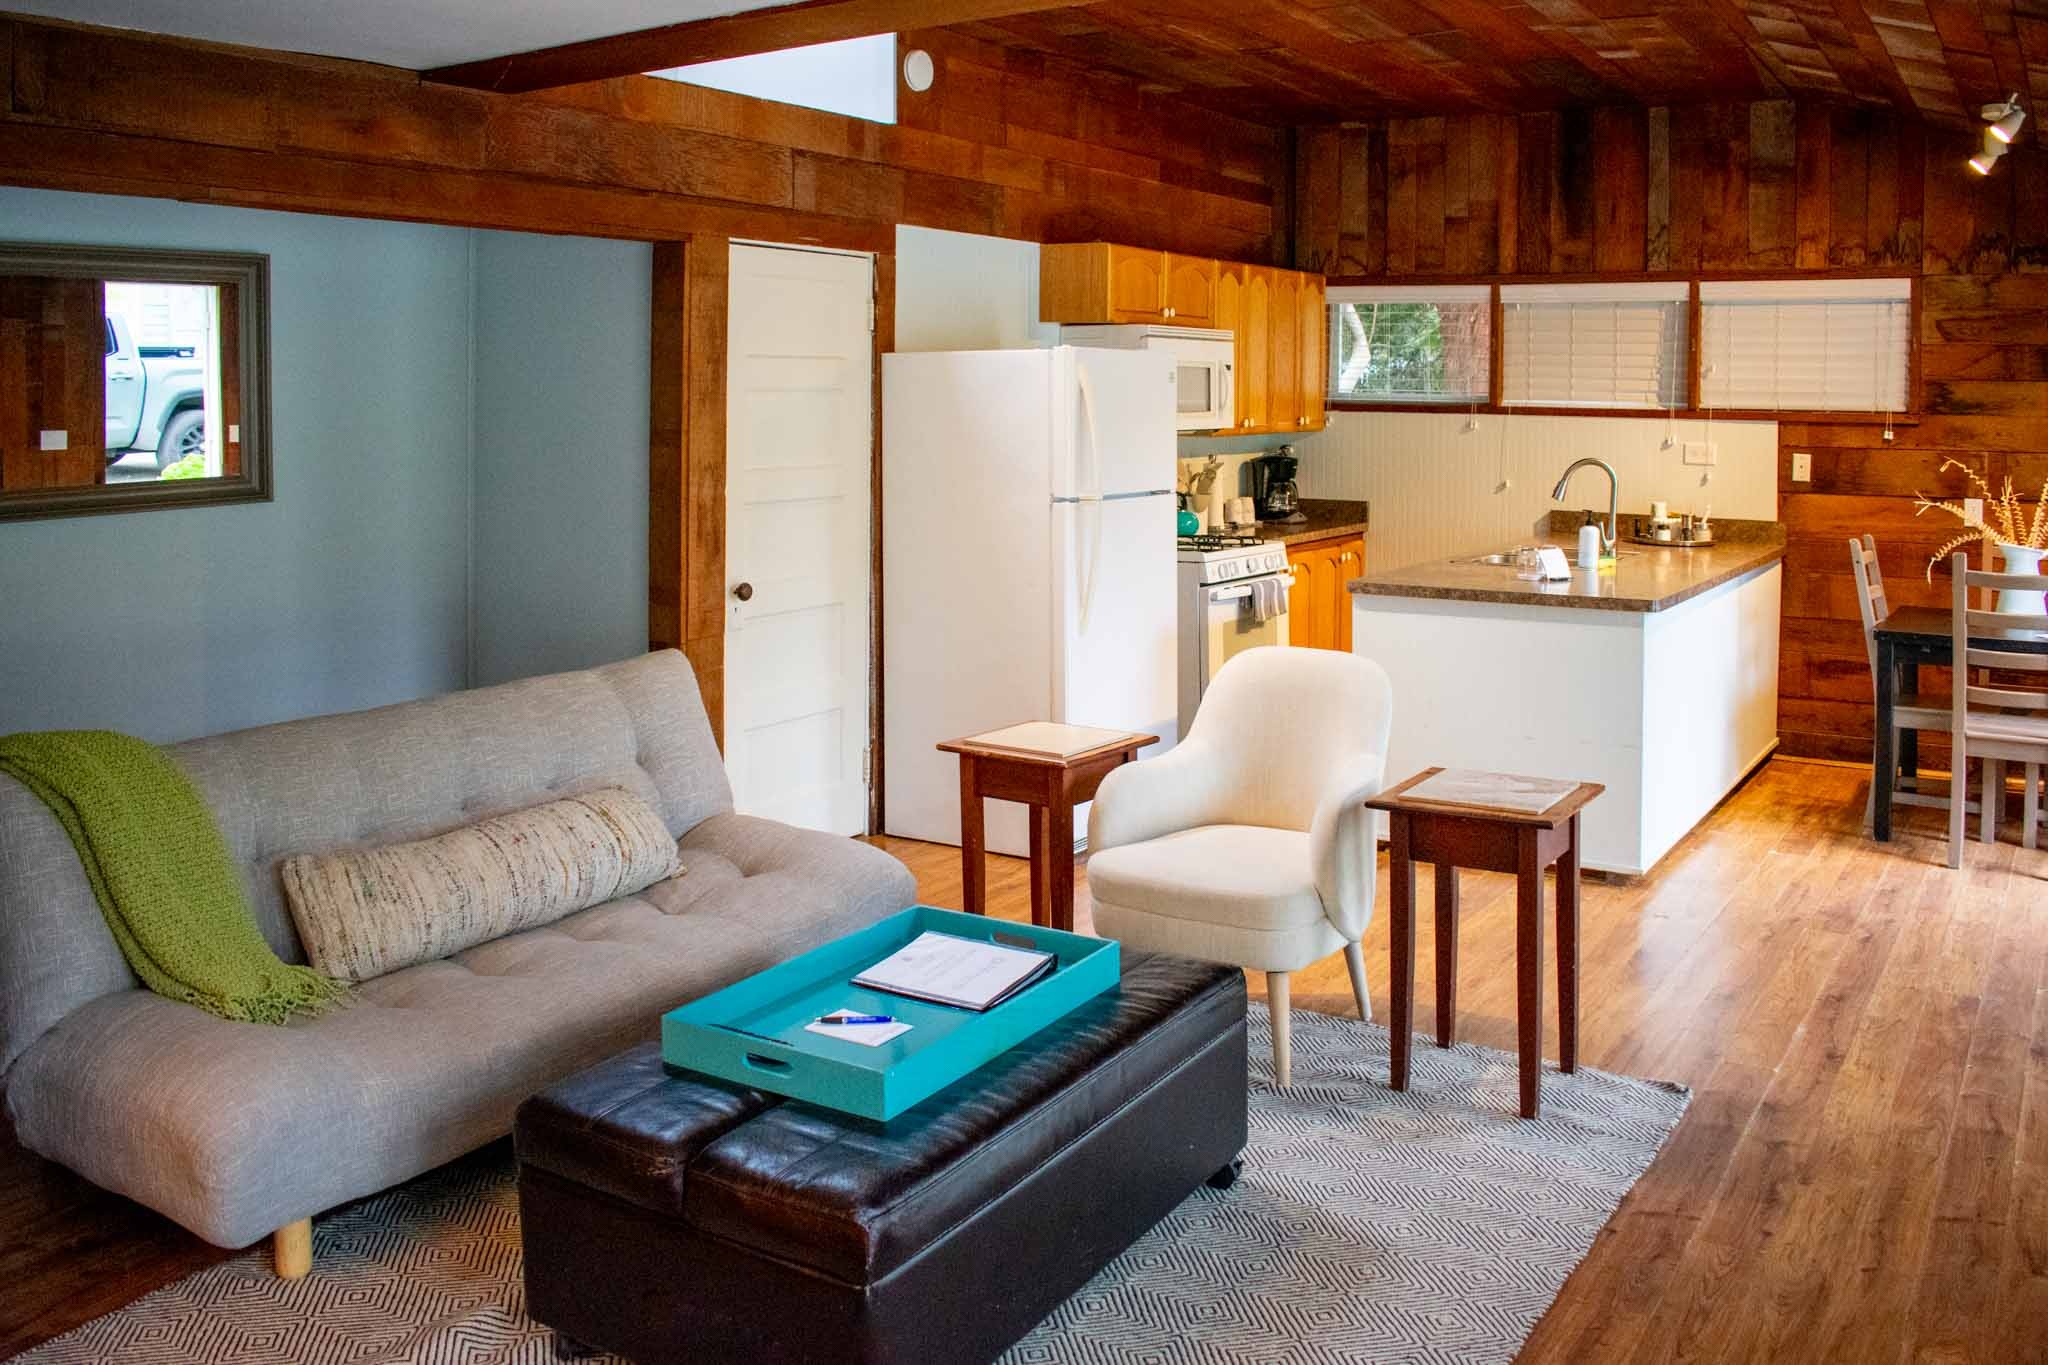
858,1019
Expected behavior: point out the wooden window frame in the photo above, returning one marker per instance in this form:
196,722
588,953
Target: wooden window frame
1693,411
248,273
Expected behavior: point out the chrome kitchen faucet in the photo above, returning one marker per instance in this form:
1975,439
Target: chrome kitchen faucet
1613,494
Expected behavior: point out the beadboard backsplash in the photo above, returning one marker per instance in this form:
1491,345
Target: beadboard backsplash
1439,487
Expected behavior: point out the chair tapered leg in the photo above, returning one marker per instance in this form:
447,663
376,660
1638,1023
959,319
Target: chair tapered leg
1994,799
1958,791
1354,960
2030,808
1276,1005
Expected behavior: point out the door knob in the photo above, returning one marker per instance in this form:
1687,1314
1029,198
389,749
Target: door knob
745,592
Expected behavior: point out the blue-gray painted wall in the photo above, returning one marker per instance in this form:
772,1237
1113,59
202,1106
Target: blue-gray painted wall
561,453
397,559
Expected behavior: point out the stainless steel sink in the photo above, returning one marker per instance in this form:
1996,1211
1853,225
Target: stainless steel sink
1507,561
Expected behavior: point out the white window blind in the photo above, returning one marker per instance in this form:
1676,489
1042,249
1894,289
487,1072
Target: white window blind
1397,344
1807,345
1594,345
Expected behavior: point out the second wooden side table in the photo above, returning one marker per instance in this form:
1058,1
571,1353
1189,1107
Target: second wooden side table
1492,839
1050,768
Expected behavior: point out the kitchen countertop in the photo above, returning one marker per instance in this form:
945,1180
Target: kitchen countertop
1646,577
1328,518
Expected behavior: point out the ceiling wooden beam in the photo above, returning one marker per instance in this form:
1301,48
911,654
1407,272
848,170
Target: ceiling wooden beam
732,35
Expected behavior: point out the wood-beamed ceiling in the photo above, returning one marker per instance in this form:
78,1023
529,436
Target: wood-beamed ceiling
1320,61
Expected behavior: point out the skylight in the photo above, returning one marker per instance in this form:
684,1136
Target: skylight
855,77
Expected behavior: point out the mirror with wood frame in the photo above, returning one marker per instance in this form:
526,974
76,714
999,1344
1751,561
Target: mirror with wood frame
132,378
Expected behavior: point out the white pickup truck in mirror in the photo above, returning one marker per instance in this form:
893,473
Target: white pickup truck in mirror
156,397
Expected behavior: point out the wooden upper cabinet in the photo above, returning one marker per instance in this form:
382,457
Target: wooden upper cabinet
1254,359
1277,317
1100,282
1191,291
1283,354
1312,358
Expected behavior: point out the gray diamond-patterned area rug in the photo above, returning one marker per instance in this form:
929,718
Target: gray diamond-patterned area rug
1370,1228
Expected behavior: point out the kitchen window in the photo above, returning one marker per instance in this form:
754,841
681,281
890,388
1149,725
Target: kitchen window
1806,345
1594,345
1430,345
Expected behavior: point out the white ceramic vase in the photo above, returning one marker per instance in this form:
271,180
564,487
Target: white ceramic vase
2021,559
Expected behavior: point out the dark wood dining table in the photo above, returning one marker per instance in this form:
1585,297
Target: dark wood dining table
1906,639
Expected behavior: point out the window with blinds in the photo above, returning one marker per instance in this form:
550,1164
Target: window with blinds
1391,344
1594,345
1806,345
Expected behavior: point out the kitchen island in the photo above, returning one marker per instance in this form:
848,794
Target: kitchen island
1657,676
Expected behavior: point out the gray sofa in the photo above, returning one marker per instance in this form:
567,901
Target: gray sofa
239,1130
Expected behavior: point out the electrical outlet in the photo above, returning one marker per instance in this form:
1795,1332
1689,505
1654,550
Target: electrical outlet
1802,466
1700,452
1973,508
56,440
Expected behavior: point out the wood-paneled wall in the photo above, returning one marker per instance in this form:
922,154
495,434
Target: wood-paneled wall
51,342
1011,144
1759,188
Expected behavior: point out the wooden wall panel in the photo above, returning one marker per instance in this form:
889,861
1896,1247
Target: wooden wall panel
1007,143
1773,188
52,378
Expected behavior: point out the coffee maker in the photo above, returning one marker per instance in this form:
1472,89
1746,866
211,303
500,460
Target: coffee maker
1274,496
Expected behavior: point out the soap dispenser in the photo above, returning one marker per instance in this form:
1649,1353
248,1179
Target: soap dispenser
1589,544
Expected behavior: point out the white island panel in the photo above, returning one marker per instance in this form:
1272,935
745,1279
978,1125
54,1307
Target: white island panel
1667,709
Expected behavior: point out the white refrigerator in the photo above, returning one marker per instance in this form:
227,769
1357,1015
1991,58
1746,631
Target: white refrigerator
1028,567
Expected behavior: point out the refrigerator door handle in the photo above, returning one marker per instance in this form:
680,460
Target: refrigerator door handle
1088,536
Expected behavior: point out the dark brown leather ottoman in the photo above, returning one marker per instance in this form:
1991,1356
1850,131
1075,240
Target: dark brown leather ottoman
673,1218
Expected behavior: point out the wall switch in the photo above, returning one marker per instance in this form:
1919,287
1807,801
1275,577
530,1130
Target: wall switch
1700,452
234,433
1973,508
56,440
1802,466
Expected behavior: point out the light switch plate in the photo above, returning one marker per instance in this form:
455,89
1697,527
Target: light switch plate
1700,452
56,440
1973,508
1802,466
234,433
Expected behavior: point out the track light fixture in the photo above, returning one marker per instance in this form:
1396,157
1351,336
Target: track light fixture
2002,126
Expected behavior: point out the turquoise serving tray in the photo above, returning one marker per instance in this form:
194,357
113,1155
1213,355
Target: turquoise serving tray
752,1032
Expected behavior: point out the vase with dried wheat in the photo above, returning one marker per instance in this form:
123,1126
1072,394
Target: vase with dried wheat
2020,536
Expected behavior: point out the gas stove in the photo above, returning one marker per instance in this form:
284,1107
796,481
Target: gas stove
1226,558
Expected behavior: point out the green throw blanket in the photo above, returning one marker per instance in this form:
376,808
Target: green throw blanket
162,874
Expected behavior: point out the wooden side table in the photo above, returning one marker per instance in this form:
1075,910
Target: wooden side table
1051,768
1493,840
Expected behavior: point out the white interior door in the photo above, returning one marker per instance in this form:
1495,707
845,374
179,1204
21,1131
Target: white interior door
799,436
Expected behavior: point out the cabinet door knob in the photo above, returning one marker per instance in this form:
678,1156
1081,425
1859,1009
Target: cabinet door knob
745,592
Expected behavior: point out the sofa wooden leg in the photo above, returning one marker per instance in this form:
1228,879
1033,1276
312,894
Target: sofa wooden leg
1276,1005
292,1248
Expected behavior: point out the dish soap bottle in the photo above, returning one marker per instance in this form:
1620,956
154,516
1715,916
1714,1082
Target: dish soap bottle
1589,544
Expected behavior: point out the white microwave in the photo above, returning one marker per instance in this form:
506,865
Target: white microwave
1205,397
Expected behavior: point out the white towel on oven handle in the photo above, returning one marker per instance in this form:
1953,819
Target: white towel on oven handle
1268,599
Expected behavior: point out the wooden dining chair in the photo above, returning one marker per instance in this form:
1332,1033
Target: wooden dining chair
1996,720
1912,711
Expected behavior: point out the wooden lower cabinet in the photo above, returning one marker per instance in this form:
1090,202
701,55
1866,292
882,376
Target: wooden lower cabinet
1319,605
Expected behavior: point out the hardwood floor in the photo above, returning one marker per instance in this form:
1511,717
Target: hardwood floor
1863,1175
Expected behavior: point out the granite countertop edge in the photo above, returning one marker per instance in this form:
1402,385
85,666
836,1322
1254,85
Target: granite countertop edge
1328,519
1756,546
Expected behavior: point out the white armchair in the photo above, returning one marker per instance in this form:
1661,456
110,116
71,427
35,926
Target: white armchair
1248,843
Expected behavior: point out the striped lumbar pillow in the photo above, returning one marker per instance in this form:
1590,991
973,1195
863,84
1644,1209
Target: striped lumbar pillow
366,912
